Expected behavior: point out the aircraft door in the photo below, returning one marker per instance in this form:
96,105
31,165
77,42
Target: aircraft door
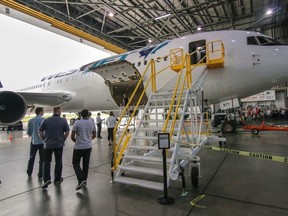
199,51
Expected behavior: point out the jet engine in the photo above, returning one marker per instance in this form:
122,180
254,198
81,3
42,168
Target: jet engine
12,107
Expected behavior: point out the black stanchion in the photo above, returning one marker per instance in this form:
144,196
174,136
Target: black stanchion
164,143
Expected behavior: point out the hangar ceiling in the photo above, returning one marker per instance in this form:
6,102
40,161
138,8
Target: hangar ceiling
136,21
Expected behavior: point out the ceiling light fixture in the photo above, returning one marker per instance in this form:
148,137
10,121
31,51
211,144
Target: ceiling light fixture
163,16
111,14
269,11
199,28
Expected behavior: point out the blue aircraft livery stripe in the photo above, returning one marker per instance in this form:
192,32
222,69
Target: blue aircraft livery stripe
144,52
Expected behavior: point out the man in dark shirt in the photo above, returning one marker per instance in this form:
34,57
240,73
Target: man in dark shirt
53,131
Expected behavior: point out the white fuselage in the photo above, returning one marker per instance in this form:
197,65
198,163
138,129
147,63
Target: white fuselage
248,69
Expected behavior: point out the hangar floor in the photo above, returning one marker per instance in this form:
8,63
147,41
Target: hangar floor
233,184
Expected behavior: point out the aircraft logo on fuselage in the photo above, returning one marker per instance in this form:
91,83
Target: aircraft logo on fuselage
144,52
147,50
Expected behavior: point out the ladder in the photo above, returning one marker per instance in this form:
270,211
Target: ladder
166,108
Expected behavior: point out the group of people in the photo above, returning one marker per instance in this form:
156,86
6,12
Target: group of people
254,114
48,136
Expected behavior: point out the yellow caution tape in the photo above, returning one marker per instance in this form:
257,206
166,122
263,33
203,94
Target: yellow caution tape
262,156
197,199
250,154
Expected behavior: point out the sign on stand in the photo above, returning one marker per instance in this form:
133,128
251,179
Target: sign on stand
164,144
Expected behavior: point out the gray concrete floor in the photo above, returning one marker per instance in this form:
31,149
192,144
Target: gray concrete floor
233,184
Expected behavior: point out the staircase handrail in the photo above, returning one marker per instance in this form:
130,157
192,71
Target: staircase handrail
117,145
187,74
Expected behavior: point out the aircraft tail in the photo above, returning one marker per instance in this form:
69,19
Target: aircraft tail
1,86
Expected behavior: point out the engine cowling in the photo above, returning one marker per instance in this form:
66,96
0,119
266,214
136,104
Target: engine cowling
12,107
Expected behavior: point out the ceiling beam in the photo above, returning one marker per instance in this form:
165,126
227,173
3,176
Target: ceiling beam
62,26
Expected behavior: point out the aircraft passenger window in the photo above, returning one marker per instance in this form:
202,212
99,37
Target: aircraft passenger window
252,41
165,58
145,62
139,64
266,41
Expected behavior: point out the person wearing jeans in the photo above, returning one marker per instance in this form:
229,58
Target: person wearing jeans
36,143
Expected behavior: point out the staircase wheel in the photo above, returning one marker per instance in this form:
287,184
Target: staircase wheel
194,176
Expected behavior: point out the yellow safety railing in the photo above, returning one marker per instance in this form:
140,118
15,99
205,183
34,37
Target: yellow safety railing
188,81
121,152
151,80
215,54
176,59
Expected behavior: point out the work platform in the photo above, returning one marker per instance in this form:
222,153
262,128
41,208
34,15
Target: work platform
233,184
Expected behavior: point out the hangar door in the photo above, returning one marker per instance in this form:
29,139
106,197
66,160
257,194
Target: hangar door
198,49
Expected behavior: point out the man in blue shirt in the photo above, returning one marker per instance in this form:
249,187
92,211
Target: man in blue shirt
53,131
36,142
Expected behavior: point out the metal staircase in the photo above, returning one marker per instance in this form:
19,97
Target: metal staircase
173,108
142,161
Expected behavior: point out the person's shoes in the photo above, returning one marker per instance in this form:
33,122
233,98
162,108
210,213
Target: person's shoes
100,137
40,178
59,181
29,174
110,144
81,185
45,185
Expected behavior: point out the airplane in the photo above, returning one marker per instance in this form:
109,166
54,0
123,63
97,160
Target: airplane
253,63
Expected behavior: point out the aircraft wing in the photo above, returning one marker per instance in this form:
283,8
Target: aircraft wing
46,99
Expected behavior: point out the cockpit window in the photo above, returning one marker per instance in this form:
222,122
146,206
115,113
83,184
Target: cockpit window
266,41
262,41
252,41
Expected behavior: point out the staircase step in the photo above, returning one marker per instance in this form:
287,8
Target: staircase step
144,147
161,113
138,169
167,93
159,120
146,158
146,137
140,183
152,129
164,106
165,99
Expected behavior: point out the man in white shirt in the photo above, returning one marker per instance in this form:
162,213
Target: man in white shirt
83,132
